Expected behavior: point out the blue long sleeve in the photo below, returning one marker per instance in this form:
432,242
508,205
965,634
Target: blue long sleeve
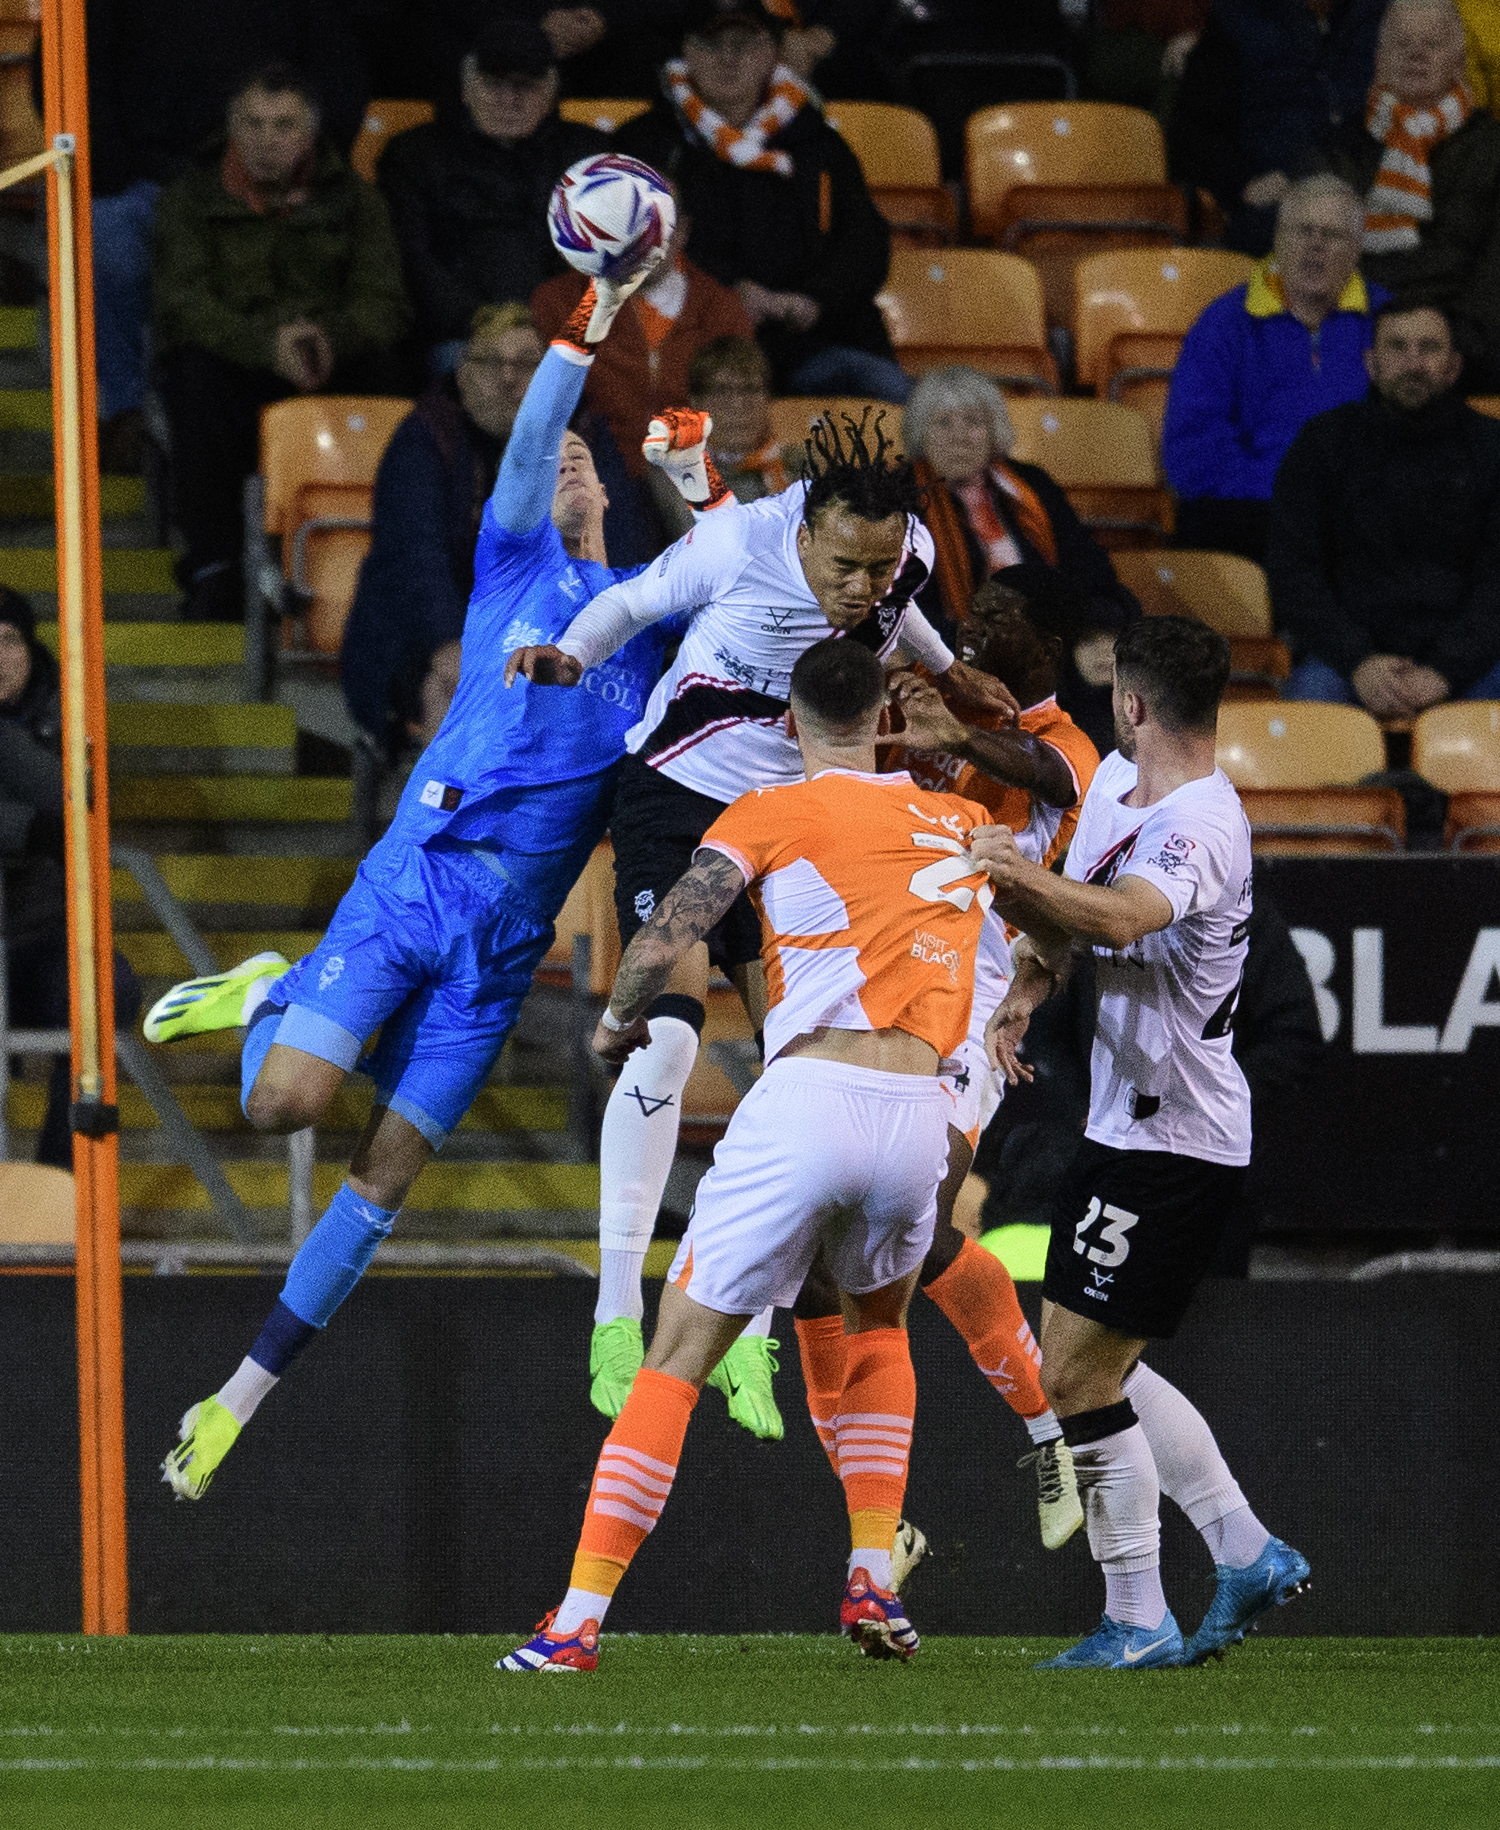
528,475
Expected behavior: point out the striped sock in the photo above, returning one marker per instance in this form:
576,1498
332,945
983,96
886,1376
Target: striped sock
872,1435
978,1295
820,1341
631,1482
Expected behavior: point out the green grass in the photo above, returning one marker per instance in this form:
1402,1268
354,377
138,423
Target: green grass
717,1732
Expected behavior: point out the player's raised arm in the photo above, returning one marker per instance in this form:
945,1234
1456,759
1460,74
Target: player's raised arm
1030,897
1015,757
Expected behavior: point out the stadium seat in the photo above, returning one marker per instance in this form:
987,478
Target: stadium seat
1101,455
969,305
383,121
1298,767
1486,403
1457,748
1133,307
21,133
793,414
318,458
897,149
1226,592
1058,180
606,113
36,1205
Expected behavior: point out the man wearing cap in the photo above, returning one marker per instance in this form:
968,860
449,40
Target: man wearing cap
779,205
469,196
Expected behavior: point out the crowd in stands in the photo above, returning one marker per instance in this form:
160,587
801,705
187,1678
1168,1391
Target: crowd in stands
1347,146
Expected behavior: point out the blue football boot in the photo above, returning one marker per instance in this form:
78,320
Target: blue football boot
1243,1595
1113,1646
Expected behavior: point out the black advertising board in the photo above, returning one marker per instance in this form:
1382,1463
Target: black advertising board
1400,1128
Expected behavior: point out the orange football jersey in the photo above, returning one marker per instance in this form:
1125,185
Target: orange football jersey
870,907
1042,833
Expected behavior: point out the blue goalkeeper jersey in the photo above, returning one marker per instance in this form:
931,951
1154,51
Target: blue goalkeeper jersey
498,739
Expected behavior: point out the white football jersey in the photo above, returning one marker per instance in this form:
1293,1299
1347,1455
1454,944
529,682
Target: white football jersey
1162,1074
714,722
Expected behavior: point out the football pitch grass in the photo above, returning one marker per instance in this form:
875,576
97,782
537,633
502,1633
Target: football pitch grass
772,1731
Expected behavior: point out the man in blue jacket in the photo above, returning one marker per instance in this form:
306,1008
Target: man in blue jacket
1260,362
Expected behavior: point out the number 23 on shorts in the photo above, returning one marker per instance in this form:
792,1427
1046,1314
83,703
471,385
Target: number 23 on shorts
1112,1235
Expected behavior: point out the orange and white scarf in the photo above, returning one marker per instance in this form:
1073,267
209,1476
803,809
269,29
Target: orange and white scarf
1400,199
743,146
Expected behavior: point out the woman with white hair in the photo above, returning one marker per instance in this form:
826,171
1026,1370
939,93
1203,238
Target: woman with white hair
985,510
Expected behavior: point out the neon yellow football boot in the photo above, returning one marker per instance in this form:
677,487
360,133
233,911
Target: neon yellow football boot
615,1355
744,1377
217,1002
207,1434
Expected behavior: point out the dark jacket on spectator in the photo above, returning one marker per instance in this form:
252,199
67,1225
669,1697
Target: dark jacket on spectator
31,798
161,72
1385,538
1457,263
471,215
1265,85
226,278
817,232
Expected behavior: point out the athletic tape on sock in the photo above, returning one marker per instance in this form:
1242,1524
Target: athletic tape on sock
1092,1426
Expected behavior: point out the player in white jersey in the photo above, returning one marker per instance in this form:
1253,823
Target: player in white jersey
1158,884
761,584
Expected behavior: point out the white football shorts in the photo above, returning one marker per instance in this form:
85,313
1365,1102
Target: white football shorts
818,1153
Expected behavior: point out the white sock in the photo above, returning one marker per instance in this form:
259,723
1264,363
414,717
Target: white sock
620,1285
759,1324
1193,1474
245,1389
637,1144
259,991
578,1606
876,1563
1043,1428
1121,1496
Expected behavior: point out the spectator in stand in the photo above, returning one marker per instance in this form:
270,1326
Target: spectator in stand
779,205
276,274
160,73
469,195
31,844
985,510
1427,162
1260,362
643,365
1384,558
435,477
1263,88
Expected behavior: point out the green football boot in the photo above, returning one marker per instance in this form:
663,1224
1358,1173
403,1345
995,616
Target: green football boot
207,1435
744,1377
217,1002
615,1355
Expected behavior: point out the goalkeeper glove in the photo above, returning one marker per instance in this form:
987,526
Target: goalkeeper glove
595,311
677,442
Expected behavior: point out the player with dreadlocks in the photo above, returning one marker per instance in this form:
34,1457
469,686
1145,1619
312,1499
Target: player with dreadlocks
761,583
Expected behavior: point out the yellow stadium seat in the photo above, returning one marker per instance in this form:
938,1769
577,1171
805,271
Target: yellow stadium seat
1486,403
1457,748
969,305
1058,180
897,149
1132,308
606,113
22,135
1221,589
1102,456
383,121
36,1205
793,414
1297,767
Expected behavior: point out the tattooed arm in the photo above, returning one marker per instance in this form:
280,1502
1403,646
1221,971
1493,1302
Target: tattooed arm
689,909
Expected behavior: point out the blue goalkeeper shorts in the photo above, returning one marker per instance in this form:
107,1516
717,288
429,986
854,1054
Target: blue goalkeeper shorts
433,948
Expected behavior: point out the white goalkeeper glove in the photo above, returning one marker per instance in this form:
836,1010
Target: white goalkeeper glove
677,442
589,325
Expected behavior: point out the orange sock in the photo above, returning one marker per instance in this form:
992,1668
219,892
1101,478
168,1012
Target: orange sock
821,1343
873,1439
633,1478
978,1295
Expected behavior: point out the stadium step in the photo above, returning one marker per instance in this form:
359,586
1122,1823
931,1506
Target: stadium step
161,644
217,1108
31,498
138,571
213,881
463,1187
225,799
147,739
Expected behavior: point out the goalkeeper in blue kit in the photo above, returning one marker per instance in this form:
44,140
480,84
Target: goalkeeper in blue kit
435,943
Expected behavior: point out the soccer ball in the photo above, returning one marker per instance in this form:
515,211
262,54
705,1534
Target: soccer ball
607,212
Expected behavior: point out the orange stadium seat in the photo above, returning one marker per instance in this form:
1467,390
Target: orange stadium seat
22,135
318,458
1486,403
897,149
969,305
793,414
1298,767
383,121
606,113
1457,748
1226,592
1058,180
1102,456
1132,308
